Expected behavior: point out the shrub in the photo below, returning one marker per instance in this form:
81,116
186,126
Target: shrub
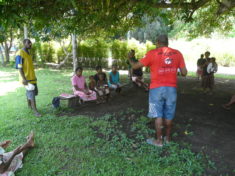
226,60
47,53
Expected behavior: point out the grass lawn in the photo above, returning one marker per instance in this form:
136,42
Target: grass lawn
80,145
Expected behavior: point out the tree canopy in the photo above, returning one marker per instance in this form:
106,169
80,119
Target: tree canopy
89,16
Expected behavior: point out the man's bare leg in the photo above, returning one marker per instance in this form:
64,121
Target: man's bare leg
29,103
158,127
144,85
232,101
29,144
168,130
34,107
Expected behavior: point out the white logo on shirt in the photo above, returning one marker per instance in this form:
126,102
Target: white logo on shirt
168,61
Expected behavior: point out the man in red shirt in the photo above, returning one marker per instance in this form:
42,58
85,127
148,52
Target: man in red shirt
164,63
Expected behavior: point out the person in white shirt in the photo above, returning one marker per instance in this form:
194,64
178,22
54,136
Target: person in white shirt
211,69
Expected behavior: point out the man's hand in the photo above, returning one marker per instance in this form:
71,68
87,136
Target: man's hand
25,82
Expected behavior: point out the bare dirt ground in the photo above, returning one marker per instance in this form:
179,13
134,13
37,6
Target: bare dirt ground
200,120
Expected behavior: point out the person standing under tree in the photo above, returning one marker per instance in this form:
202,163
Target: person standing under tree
200,63
163,62
24,63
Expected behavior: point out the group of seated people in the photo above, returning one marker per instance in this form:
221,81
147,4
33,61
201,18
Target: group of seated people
99,86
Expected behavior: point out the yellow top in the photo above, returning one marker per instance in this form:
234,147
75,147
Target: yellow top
25,62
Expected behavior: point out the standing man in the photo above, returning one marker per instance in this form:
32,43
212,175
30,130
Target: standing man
24,63
163,62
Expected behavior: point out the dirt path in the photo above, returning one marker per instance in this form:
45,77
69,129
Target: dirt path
200,120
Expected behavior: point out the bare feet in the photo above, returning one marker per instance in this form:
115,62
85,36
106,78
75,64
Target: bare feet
37,114
30,140
5,144
167,140
157,143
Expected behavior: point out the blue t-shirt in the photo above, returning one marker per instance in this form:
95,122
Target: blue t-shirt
114,77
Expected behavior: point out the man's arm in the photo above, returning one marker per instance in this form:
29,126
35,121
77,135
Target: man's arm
19,65
25,82
183,71
135,65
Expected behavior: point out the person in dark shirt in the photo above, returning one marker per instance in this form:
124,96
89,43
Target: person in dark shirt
100,71
132,53
200,63
137,74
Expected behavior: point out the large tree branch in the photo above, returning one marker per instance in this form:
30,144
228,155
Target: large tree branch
193,5
225,6
11,39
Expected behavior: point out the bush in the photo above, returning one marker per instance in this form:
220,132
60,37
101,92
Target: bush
47,53
120,50
226,60
92,53
43,52
60,54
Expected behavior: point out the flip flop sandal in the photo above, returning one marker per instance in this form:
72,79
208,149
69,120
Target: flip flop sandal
166,141
151,142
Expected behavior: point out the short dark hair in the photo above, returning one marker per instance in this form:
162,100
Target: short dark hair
25,40
213,58
202,55
163,39
78,68
207,52
98,67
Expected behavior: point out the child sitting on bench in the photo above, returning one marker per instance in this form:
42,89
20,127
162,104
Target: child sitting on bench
114,81
102,88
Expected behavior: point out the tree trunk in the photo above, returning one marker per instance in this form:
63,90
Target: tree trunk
68,54
74,45
25,32
64,61
2,57
7,52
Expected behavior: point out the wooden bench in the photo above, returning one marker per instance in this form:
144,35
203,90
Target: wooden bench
73,100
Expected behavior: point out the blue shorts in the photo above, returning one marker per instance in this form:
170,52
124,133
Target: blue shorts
162,102
31,94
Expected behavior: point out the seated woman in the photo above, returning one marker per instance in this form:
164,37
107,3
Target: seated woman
114,82
10,162
102,88
80,88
